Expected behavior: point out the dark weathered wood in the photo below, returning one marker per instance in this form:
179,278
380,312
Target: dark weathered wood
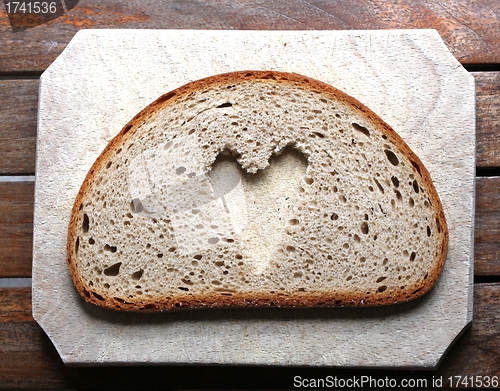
487,231
16,228
487,118
477,351
471,30
28,359
18,113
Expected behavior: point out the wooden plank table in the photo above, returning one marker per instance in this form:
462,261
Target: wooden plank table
471,31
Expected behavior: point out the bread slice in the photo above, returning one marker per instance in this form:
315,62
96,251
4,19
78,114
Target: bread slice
255,189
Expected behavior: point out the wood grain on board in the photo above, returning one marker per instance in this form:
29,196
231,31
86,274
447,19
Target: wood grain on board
30,361
471,30
437,92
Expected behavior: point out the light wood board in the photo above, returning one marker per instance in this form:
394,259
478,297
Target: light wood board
104,77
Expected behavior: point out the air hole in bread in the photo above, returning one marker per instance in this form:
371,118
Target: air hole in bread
391,156
127,128
297,274
98,296
382,288
136,206
214,240
108,164
334,216
111,249
186,281
398,195
364,228
412,256
91,241
120,300
415,186
77,244
165,97
361,129
113,270
428,231
380,279
160,255
180,170
137,275
395,181
227,104
416,166
198,257
416,291
411,202
379,186
85,223
438,225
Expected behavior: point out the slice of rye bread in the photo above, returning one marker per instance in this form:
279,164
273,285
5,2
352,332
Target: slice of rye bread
256,189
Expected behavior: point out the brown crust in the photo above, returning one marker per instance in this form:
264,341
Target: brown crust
240,300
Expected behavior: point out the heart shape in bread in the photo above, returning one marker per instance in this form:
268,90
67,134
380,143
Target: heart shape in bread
256,188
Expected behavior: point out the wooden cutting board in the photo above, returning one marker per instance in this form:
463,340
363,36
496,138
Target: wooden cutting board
104,77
